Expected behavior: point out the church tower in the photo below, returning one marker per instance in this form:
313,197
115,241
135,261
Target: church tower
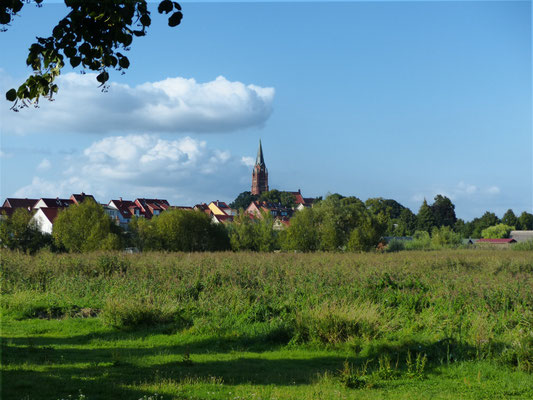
259,174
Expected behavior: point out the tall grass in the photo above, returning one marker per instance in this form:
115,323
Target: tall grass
452,304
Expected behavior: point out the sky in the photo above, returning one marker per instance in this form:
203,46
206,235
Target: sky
392,99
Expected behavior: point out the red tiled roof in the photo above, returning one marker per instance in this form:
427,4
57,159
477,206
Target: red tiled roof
51,212
78,198
298,199
12,202
223,218
510,240
148,206
123,207
57,202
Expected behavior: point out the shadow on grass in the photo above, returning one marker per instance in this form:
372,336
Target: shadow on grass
36,366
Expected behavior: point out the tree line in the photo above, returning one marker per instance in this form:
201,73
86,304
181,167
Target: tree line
335,223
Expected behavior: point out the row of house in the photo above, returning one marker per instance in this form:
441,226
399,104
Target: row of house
122,211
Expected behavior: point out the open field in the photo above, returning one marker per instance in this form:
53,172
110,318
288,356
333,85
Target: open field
442,324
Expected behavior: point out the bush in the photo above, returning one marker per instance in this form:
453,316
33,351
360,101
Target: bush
132,312
395,245
523,246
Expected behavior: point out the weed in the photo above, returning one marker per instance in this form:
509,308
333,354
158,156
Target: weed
354,378
415,370
386,371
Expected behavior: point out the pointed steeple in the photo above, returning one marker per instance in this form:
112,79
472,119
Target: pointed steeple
259,173
259,159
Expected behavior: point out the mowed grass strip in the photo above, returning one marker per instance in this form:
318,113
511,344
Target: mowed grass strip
447,324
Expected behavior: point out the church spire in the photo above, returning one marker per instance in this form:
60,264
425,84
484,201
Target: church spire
259,159
259,173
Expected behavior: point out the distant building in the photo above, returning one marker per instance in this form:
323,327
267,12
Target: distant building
126,209
52,203
79,198
522,236
221,208
276,210
495,242
45,217
15,203
259,174
152,207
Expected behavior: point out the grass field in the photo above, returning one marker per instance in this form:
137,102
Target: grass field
441,324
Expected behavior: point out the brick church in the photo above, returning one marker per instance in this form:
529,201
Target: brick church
260,173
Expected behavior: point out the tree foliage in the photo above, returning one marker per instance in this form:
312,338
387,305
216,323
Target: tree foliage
509,218
86,227
443,211
425,220
367,234
243,200
499,231
254,233
93,36
274,196
19,232
302,234
179,230
525,221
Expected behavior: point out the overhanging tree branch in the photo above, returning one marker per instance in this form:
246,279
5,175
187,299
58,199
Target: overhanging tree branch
92,36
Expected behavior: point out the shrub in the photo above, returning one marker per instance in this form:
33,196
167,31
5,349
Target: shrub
523,246
132,312
395,245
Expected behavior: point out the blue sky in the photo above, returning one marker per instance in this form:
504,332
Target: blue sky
400,100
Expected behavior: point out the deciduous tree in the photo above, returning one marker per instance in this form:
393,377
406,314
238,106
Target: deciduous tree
499,231
509,218
86,227
525,221
93,36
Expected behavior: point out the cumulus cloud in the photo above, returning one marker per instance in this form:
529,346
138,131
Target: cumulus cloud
184,171
44,164
248,161
465,196
460,191
173,105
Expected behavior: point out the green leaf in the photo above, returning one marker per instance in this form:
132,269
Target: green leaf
175,19
11,95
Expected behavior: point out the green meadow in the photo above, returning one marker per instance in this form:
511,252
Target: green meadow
443,324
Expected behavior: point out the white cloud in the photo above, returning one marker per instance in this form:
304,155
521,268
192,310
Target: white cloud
44,165
248,161
184,171
464,188
493,190
173,105
463,195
